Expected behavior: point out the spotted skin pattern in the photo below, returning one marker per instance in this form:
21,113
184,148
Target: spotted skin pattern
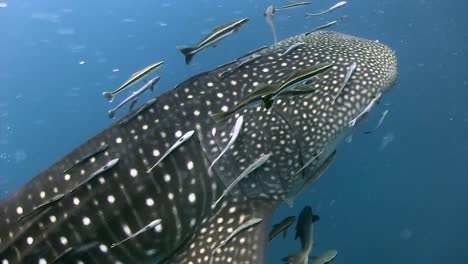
80,227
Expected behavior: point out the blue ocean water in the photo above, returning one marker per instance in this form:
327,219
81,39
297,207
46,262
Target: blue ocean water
397,195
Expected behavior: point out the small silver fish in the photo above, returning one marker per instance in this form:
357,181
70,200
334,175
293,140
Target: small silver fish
292,5
149,85
256,164
282,227
326,257
104,168
337,5
235,133
252,52
329,24
249,223
45,204
350,71
292,47
387,139
135,77
384,114
88,156
307,164
238,66
365,111
215,36
151,225
269,19
179,142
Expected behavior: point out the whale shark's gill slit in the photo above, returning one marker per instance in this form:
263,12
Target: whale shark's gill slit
42,206
88,156
317,174
292,132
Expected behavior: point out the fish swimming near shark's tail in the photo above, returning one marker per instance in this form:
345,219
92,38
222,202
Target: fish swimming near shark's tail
110,204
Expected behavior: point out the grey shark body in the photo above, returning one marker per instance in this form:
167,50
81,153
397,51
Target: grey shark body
120,201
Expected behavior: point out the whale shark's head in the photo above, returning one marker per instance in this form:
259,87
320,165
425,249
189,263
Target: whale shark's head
320,119
313,122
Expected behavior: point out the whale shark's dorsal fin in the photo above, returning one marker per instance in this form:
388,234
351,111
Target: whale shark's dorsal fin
248,246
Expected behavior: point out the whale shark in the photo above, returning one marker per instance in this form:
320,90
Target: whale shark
141,191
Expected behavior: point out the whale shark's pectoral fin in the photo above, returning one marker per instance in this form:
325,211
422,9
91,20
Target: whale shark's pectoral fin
214,240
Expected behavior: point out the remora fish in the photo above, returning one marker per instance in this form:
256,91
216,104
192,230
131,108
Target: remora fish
135,77
382,117
292,47
216,35
292,5
134,96
265,92
180,191
329,24
337,5
269,19
305,232
326,257
282,227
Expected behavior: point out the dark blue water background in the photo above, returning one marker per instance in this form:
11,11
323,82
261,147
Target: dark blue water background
398,195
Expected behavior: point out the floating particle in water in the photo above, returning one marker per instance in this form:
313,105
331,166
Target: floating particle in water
46,17
128,20
20,155
74,48
81,62
38,122
115,70
387,139
66,10
102,60
406,234
66,31
162,24
3,5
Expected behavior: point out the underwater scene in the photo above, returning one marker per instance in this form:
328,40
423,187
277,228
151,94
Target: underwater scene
221,131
